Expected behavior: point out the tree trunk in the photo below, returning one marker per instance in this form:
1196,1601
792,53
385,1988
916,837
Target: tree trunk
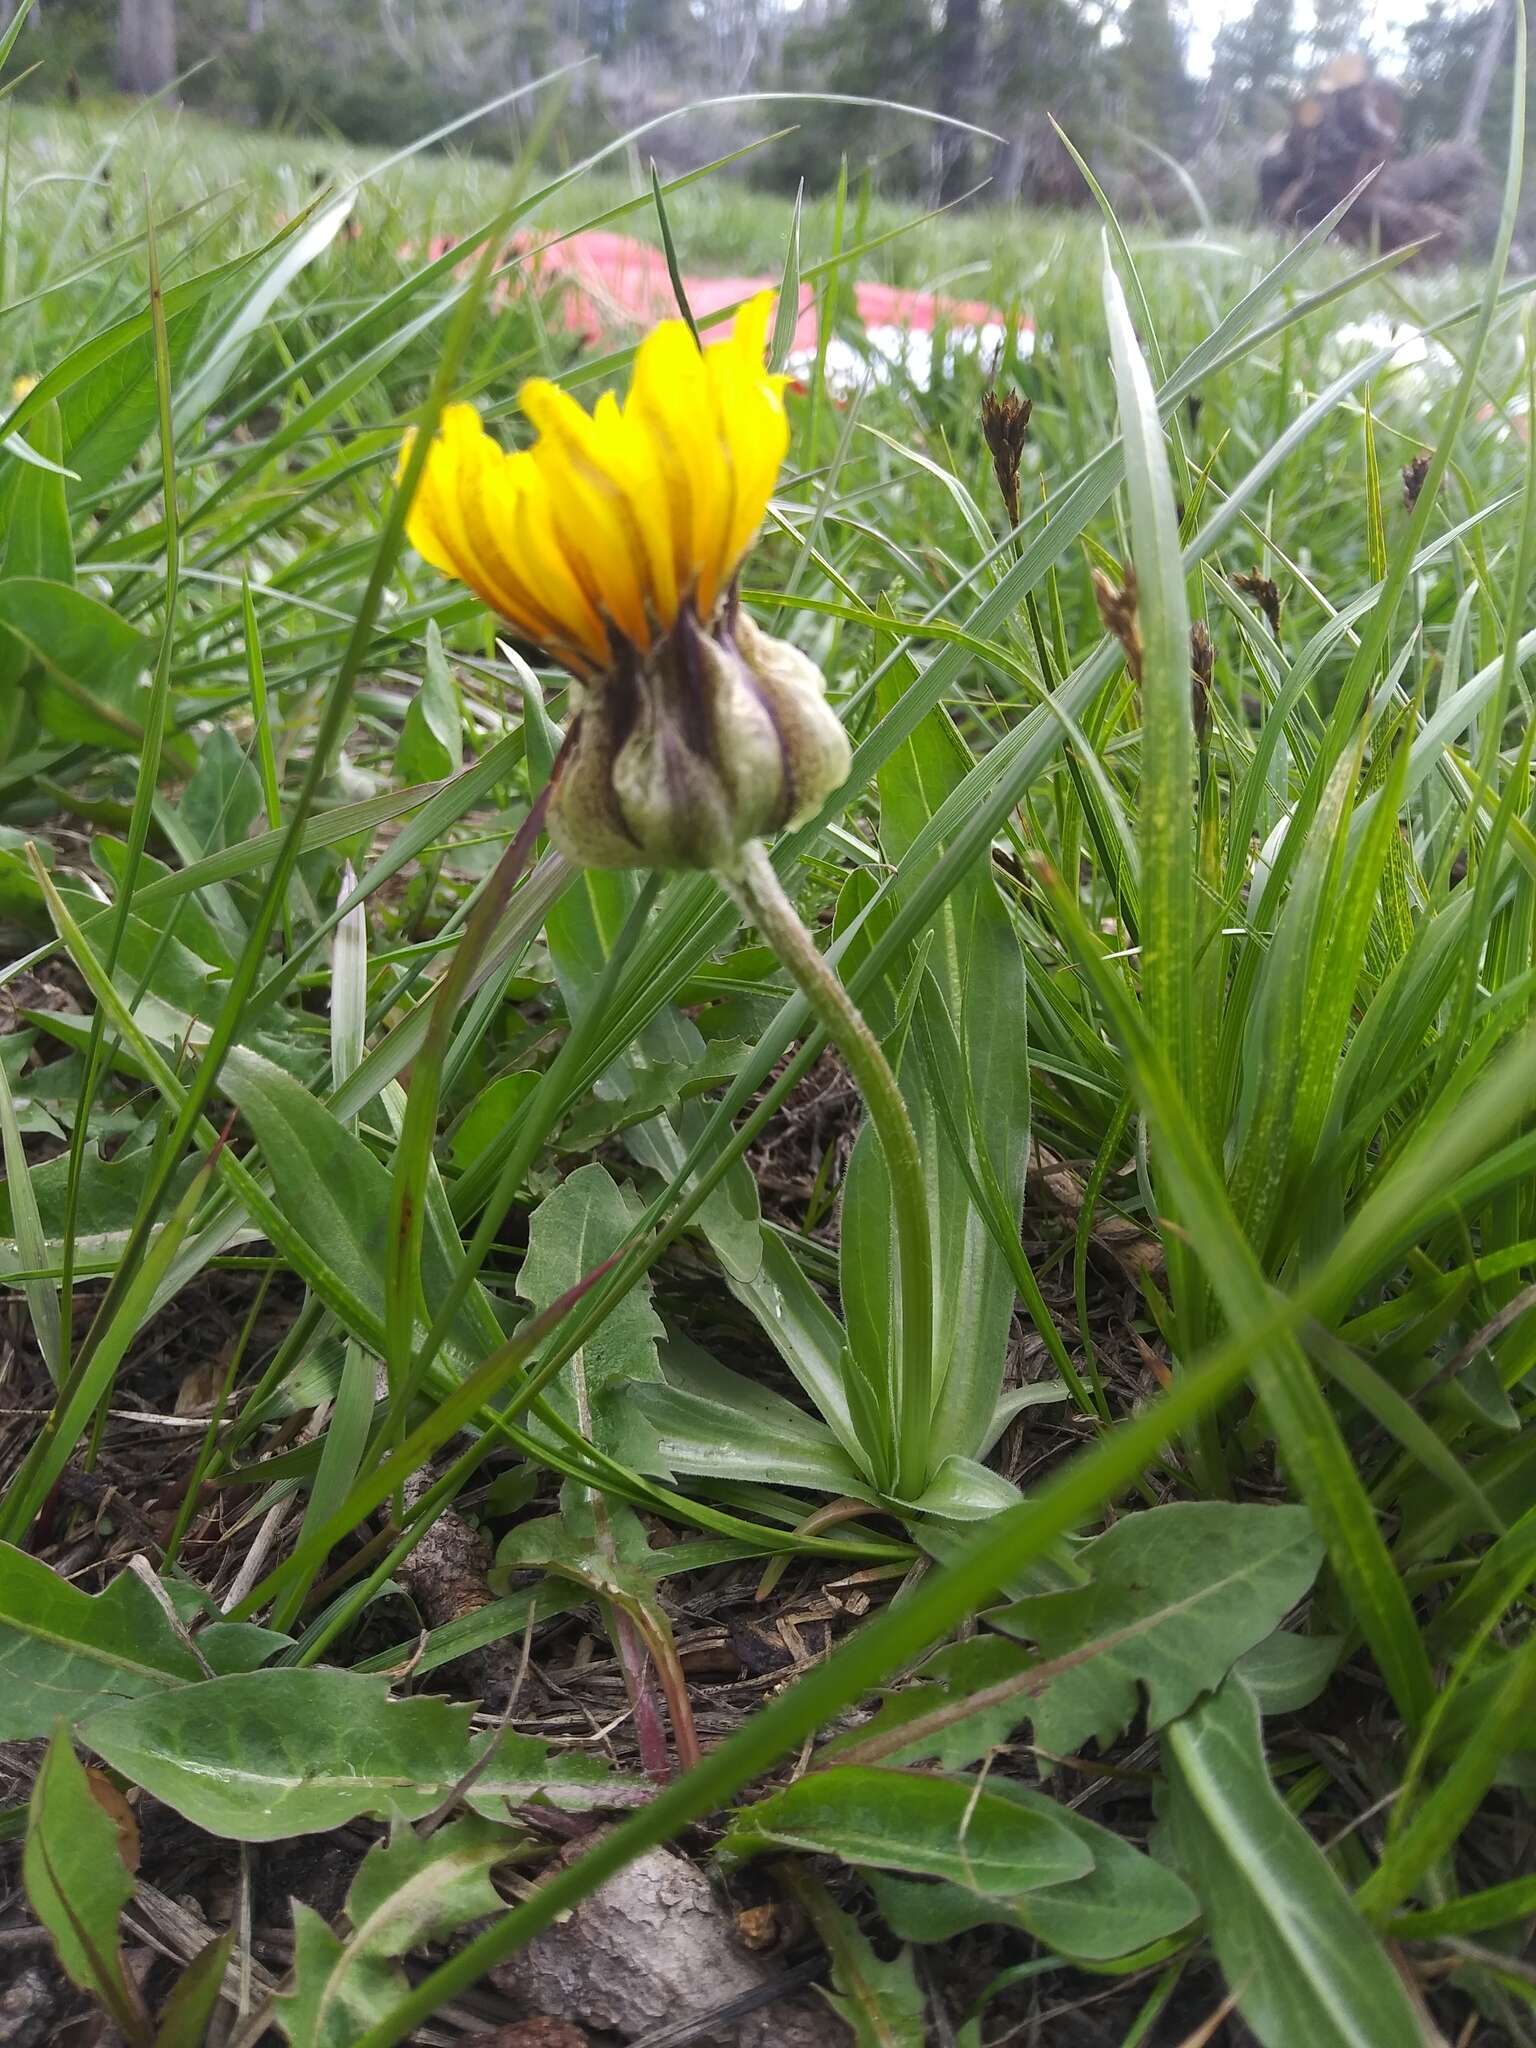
959,78
146,45
1484,74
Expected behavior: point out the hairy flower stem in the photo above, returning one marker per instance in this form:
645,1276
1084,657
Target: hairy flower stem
761,896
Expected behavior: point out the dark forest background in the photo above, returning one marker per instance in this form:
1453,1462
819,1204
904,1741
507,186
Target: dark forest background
1118,76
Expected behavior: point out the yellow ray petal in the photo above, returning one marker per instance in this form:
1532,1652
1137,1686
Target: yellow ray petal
483,511
597,533
462,521
538,547
749,335
671,401
538,576
631,461
754,424
435,522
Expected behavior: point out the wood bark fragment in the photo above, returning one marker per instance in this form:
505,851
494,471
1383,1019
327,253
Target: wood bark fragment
653,1948
1346,126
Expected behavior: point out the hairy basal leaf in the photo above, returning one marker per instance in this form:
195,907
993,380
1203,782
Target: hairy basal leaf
1299,1957
261,1755
1176,1595
64,1651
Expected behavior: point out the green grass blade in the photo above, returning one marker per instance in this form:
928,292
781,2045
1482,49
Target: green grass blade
31,1243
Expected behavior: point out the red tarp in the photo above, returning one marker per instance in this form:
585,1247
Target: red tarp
613,280
605,282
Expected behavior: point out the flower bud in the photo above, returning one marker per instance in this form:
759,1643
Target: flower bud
679,756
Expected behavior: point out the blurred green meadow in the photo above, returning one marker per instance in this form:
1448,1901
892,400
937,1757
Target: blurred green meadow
1187,874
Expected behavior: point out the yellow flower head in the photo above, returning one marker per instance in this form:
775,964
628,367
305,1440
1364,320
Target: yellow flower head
594,538
613,542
